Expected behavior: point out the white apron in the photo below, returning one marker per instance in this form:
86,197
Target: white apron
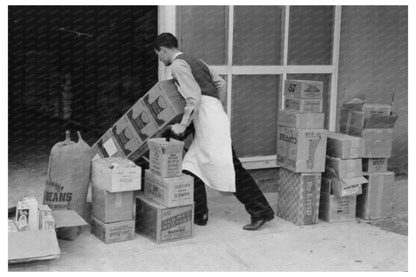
210,156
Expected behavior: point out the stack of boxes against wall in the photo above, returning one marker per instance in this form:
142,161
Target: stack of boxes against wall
343,178
148,117
301,147
373,123
164,212
114,182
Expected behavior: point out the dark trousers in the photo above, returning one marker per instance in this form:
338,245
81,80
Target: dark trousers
247,192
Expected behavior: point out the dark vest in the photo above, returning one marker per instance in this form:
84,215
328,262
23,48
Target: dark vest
201,75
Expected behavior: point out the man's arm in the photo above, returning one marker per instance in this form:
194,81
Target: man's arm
189,89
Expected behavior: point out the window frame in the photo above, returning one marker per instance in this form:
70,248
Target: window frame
168,22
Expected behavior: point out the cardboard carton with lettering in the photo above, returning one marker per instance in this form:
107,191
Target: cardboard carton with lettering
107,146
303,105
165,157
298,196
369,109
111,206
171,192
345,168
164,103
301,120
301,150
116,174
378,143
113,232
374,165
377,200
303,89
162,224
337,209
344,146
127,139
344,187
144,126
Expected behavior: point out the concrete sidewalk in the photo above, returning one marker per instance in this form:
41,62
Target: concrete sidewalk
222,245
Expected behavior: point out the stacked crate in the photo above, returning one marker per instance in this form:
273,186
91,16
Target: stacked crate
148,117
301,147
374,123
343,178
164,212
114,182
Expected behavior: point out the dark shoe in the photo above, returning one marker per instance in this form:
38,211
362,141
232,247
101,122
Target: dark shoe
256,224
201,221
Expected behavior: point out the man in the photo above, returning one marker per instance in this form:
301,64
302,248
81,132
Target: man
210,158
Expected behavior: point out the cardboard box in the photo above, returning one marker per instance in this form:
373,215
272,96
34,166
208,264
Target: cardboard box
344,168
162,224
303,105
374,165
337,209
165,157
301,150
345,187
378,143
301,120
144,126
127,138
38,245
112,207
116,174
354,122
112,232
106,146
171,192
344,146
369,109
377,200
298,197
164,103
303,89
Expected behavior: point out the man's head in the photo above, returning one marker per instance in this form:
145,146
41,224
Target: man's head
166,46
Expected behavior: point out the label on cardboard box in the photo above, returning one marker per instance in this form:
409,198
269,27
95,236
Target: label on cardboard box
171,192
301,150
303,105
303,89
298,196
373,165
301,120
165,157
106,147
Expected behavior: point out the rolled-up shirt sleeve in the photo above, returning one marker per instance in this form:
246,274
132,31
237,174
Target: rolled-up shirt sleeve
188,88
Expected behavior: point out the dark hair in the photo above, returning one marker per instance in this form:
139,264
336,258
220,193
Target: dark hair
166,40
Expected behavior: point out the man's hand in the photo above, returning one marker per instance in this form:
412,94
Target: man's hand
178,129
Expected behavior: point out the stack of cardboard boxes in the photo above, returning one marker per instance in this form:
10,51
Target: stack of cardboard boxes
114,182
164,212
373,123
342,179
301,148
148,117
